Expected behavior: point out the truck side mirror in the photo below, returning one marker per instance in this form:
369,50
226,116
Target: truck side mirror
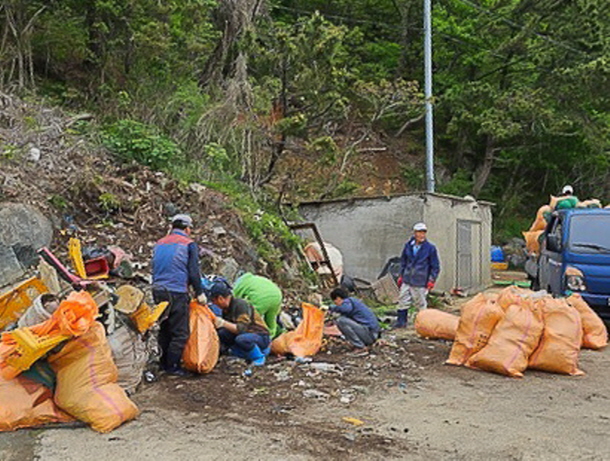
553,243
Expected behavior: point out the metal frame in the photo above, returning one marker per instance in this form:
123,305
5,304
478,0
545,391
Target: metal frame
316,233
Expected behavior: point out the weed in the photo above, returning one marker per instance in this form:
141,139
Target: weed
109,202
10,152
58,202
130,140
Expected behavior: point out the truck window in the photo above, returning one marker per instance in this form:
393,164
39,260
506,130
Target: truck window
590,234
555,236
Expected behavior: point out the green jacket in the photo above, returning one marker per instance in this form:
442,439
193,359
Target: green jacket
261,292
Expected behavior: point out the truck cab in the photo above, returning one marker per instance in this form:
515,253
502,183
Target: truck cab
575,257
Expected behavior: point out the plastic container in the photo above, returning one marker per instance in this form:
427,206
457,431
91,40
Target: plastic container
35,314
497,254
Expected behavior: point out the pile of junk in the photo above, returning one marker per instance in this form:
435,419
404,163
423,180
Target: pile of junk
75,343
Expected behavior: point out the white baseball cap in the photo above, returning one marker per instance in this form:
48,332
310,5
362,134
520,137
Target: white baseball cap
420,226
183,218
567,189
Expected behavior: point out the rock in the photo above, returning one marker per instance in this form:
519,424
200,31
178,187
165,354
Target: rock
23,230
326,367
315,394
197,188
10,268
34,154
219,231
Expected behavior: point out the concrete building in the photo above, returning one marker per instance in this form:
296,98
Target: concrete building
371,230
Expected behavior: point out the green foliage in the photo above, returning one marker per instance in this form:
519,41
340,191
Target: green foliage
414,177
59,202
109,202
521,105
460,184
130,140
9,152
345,188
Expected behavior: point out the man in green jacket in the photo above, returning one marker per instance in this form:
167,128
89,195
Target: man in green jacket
264,295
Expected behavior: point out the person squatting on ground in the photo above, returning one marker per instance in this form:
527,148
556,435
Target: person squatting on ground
175,266
264,295
241,329
419,269
357,322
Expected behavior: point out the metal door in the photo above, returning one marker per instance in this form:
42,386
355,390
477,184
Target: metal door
464,254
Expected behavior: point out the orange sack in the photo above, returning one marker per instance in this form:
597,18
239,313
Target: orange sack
435,324
87,382
477,321
306,339
203,346
512,342
539,223
512,295
20,348
532,242
26,403
561,338
595,333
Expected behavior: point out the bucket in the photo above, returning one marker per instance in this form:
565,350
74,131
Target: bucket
35,314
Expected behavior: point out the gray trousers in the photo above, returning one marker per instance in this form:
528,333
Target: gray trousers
357,334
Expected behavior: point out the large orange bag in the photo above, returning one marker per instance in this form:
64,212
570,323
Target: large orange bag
512,295
26,403
595,333
477,321
203,346
561,338
435,324
87,382
540,223
20,348
532,241
512,342
306,339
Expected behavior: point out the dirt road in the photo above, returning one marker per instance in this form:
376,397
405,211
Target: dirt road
412,406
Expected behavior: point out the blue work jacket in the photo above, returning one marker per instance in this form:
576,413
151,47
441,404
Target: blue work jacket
417,269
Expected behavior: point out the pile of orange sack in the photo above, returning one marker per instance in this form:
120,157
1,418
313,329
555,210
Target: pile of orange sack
517,329
61,370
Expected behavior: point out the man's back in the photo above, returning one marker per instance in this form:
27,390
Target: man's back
170,262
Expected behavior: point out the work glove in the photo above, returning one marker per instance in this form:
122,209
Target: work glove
202,299
430,285
219,322
399,281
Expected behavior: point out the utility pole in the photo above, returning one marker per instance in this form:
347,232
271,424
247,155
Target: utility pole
428,95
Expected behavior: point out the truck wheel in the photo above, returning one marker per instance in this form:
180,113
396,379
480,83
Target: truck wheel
535,284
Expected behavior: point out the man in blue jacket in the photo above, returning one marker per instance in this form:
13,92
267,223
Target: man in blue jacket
175,266
419,268
357,322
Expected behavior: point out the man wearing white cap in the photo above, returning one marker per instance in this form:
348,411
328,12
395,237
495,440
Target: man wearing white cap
175,266
567,191
419,269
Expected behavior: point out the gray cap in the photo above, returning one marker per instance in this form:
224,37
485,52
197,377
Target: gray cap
183,218
420,226
567,189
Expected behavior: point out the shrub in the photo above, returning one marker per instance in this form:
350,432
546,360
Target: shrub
130,140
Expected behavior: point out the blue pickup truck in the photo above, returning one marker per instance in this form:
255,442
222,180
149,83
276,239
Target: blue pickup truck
575,257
